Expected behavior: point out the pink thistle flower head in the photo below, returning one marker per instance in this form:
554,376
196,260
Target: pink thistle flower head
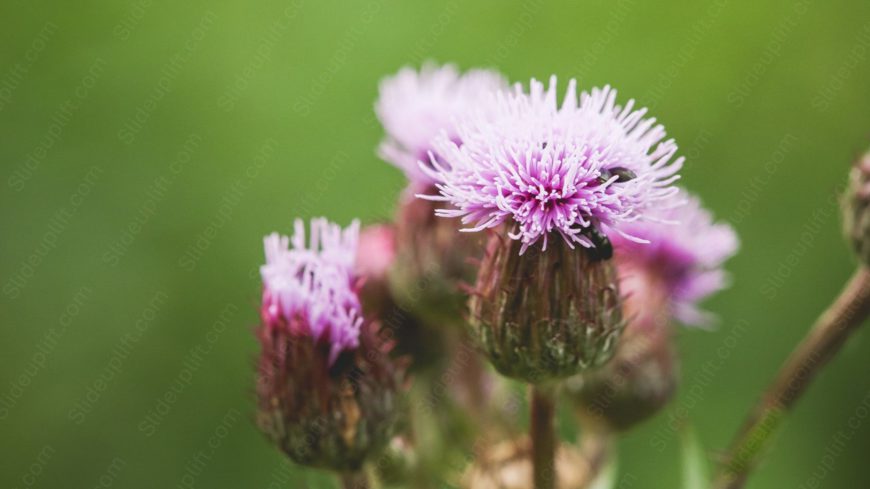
310,288
685,254
576,169
414,107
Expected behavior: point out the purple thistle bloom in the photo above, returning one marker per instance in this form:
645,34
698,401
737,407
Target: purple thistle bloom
575,169
310,290
685,253
414,107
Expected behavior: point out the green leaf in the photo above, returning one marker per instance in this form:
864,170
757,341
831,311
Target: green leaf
695,474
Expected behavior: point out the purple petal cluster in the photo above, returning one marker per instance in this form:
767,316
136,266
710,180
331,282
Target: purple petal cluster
309,288
415,107
541,167
686,250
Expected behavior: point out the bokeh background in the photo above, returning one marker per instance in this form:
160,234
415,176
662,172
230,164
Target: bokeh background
149,145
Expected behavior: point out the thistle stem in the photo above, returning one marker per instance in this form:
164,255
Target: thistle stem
543,434
355,480
823,341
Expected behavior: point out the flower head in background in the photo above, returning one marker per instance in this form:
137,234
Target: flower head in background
685,253
308,288
576,169
415,107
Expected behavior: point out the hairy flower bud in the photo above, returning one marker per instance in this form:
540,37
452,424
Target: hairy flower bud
545,314
327,388
631,388
641,378
320,416
856,209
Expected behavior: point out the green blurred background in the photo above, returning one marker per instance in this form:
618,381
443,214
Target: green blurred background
148,146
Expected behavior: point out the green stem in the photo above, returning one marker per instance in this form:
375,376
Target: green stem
543,434
824,340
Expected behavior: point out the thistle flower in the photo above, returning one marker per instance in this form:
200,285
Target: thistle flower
326,388
551,178
415,107
684,254
856,202
576,170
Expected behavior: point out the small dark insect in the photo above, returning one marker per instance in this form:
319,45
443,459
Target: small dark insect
622,175
544,145
603,249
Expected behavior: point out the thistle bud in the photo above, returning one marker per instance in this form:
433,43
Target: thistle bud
433,262
856,204
641,378
413,339
417,341
331,417
327,389
545,314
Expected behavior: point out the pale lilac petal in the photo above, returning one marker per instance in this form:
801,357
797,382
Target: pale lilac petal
416,106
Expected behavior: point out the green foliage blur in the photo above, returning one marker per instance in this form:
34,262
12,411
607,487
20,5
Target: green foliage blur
149,146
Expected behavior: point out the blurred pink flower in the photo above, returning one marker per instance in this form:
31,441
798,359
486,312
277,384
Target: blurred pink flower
415,107
684,256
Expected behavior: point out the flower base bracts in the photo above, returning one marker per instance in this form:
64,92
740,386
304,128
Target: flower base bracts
545,314
320,416
634,386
